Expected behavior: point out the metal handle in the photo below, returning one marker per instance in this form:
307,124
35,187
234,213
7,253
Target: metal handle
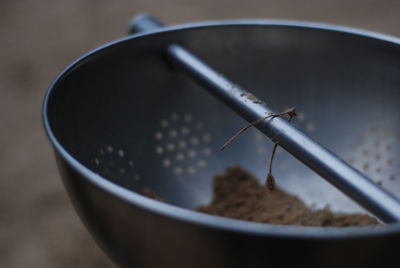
329,166
144,23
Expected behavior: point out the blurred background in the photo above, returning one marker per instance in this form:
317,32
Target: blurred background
38,227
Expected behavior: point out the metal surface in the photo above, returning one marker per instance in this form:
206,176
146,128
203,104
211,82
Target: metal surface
346,178
107,149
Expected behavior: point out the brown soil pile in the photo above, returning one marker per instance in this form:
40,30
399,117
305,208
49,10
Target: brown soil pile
238,195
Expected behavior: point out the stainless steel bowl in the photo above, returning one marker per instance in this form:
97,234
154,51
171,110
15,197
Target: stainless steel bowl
122,119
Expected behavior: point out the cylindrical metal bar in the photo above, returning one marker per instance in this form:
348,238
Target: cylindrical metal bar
351,182
144,23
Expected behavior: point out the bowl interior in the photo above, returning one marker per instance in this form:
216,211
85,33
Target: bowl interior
128,115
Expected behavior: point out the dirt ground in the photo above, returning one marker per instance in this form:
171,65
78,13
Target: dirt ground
38,227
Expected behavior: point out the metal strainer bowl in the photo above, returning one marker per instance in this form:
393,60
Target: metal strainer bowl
121,119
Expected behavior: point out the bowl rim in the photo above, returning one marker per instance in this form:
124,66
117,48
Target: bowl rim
198,218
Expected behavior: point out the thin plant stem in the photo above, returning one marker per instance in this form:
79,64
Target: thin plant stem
270,180
290,112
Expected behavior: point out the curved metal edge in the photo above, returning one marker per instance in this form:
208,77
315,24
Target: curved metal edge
197,218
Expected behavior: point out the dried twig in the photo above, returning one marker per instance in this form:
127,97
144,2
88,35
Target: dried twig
270,181
289,112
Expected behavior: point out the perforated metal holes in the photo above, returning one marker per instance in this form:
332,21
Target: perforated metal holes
182,144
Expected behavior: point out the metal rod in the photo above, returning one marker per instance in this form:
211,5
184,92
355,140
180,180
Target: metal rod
325,163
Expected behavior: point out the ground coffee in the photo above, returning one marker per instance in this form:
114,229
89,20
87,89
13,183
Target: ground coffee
238,195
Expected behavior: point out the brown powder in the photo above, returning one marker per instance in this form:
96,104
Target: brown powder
238,195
